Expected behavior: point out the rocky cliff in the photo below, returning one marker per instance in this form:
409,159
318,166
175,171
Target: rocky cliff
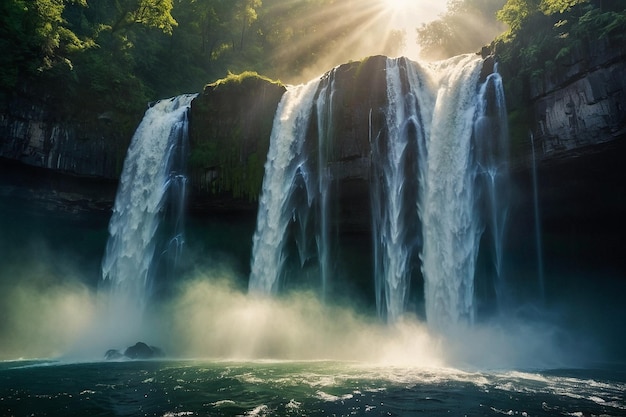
33,133
229,133
57,161
52,191
231,124
583,101
359,100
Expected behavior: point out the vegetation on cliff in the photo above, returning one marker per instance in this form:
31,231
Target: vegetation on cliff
230,132
76,59
536,37
545,39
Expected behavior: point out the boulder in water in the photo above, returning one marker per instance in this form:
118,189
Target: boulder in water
139,350
113,354
142,351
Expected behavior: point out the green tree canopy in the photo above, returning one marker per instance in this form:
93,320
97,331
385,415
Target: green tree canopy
35,36
149,13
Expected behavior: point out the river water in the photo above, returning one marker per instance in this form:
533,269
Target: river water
287,388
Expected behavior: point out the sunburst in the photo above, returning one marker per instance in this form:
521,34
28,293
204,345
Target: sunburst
356,28
399,6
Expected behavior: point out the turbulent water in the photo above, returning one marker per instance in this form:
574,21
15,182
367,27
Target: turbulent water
270,388
285,163
152,183
394,196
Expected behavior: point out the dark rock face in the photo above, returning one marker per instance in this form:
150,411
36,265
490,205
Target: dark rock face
230,129
582,201
55,191
359,102
230,126
583,102
31,133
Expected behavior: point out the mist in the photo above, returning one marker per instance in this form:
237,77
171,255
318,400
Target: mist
51,306
48,314
212,318
44,305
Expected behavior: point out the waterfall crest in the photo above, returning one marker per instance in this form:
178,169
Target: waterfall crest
152,186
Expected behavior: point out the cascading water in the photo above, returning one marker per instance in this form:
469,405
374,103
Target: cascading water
438,181
324,107
538,243
394,189
450,223
286,169
296,188
492,156
140,242
459,132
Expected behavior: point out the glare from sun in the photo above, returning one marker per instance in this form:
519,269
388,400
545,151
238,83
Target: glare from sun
417,11
399,5
374,27
407,15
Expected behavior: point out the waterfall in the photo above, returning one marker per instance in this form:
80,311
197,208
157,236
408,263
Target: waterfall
146,227
295,189
438,182
538,242
492,156
394,193
324,110
451,222
286,172
441,179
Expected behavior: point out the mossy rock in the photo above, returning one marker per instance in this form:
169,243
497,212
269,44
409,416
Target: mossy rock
230,128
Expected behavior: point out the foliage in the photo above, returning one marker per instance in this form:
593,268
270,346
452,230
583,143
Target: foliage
545,34
148,49
544,38
559,6
516,13
149,13
239,79
34,36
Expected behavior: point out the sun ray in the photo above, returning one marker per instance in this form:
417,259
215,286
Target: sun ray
347,30
398,5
